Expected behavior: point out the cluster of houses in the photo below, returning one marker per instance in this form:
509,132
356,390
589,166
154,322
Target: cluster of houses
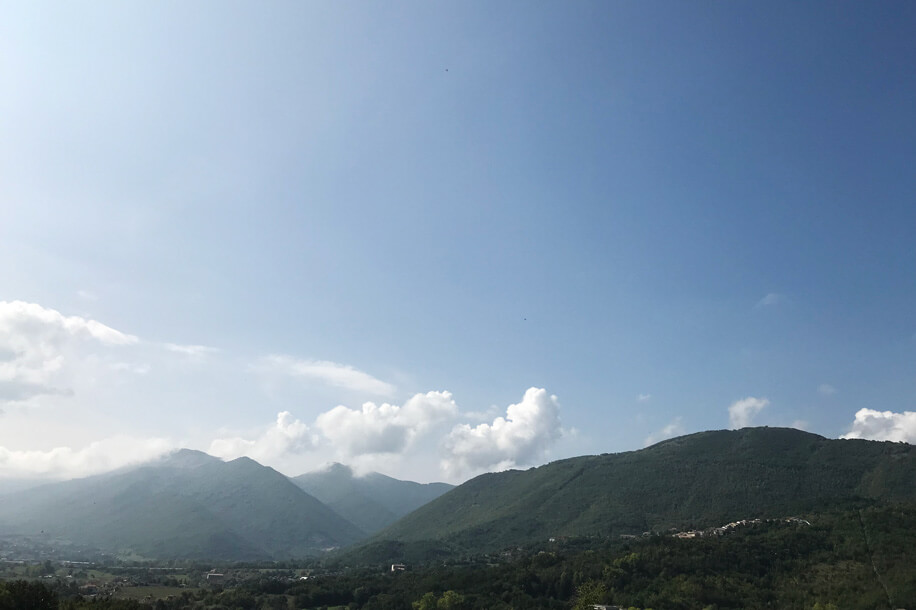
728,527
104,588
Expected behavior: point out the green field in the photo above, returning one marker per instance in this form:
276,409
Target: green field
152,592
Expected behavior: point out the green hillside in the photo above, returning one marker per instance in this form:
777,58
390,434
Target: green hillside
372,501
187,505
698,480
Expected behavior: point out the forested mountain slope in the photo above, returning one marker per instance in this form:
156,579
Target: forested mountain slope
696,480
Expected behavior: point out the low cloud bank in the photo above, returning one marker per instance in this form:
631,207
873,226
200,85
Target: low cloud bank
288,435
66,462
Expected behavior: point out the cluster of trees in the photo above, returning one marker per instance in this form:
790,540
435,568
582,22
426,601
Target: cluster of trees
18,594
24,594
447,601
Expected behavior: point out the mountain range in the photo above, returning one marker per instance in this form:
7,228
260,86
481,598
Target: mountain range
185,505
698,480
372,501
191,505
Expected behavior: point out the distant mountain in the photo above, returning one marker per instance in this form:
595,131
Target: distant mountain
697,480
185,505
8,486
372,501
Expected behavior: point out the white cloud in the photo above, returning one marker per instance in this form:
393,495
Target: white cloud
524,435
86,295
883,426
800,424
826,389
138,369
287,435
770,299
331,373
195,352
37,342
643,397
741,413
33,319
97,457
384,428
675,428
489,413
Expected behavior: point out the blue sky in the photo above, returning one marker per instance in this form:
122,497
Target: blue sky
655,212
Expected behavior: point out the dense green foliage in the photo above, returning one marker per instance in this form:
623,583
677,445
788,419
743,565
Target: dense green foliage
22,594
372,501
187,505
700,480
854,559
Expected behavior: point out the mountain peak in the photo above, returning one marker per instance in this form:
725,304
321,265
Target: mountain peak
187,458
334,469
341,468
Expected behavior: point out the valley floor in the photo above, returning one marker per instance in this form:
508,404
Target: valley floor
850,559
